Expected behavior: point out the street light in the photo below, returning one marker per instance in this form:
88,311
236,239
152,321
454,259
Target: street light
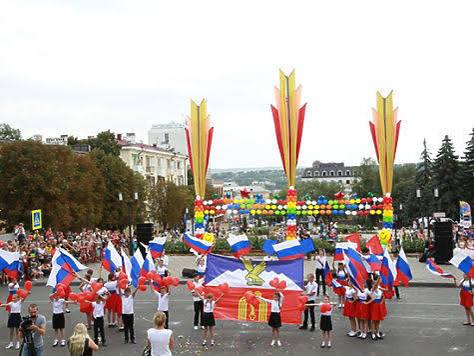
129,205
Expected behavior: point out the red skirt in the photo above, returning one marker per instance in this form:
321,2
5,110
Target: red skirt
114,303
466,299
339,291
362,311
384,308
86,308
349,309
377,311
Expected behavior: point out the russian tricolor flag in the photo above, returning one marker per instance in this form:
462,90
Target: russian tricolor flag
126,265
374,262
388,271
340,249
63,267
327,274
137,264
432,267
288,250
111,259
403,268
148,264
355,268
157,245
464,263
239,244
10,263
201,246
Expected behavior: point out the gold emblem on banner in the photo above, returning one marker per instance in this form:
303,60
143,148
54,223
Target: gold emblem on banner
247,311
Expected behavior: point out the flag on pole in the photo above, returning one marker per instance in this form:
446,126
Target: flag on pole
111,259
239,244
464,263
201,246
157,245
148,264
403,268
388,271
433,268
137,263
374,246
355,268
327,274
10,263
374,262
127,265
354,238
63,266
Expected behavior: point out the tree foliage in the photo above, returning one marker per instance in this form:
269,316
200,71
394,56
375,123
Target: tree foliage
468,171
9,134
104,141
368,180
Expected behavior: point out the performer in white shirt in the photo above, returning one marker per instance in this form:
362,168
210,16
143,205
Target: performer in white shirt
163,299
275,319
311,289
128,299
59,322
208,320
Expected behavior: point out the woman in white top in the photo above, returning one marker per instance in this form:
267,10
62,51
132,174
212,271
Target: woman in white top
160,340
275,319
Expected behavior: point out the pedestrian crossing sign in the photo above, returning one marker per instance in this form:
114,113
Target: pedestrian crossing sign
36,222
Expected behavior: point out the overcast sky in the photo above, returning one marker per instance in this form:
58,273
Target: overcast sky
79,67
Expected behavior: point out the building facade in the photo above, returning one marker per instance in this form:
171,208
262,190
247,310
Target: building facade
332,172
154,163
169,136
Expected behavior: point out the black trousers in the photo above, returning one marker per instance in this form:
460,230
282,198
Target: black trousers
397,292
99,328
320,279
309,310
128,326
167,318
198,306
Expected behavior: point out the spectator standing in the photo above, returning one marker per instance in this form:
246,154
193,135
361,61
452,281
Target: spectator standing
38,330
80,343
160,340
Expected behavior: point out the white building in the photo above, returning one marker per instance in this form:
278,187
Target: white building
332,172
154,163
57,141
169,135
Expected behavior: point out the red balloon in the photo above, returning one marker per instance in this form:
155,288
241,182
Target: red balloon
22,293
190,285
96,286
60,293
141,280
80,298
28,285
324,308
157,279
167,281
122,275
142,287
123,283
175,281
61,285
150,275
73,297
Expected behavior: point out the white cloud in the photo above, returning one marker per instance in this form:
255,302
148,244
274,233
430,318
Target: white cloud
80,67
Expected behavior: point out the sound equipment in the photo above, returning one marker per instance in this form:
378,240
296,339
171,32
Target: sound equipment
189,273
443,242
144,235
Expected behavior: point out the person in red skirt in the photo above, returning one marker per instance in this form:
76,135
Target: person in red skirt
113,304
85,286
363,310
350,303
377,311
341,279
466,298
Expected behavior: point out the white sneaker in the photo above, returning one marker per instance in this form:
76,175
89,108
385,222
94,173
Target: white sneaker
202,327
329,344
9,346
63,343
196,327
323,344
17,347
55,343
278,342
272,343
351,333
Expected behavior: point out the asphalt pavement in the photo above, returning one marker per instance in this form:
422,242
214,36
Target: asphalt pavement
427,321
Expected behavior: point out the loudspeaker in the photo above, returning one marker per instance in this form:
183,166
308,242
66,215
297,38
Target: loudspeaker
144,235
189,273
443,242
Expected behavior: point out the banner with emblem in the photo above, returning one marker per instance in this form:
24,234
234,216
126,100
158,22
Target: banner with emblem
244,275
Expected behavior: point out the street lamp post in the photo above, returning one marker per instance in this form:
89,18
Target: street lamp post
129,205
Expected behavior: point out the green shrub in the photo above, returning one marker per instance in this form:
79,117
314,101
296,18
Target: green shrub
415,246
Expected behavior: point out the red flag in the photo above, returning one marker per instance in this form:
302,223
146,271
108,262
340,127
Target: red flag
355,238
374,245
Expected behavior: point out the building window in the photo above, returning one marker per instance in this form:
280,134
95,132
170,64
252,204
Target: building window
309,174
168,164
316,173
348,181
324,173
340,181
339,173
331,173
178,165
166,140
348,173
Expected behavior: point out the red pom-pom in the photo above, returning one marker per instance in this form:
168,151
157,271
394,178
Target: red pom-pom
141,280
175,281
324,308
142,287
190,285
123,283
28,285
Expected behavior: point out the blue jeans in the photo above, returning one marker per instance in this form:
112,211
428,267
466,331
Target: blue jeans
39,351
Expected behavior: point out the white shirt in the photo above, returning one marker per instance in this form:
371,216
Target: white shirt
341,274
111,286
161,270
276,305
162,301
14,289
311,288
363,295
102,291
15,307
98,309
58,306
349,292
377,294
165,260
159,341
209,306
320,262
127,304
197,284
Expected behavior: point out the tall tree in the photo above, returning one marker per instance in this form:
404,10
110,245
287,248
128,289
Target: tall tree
424,182
105,142
468,171
9,134
447,179
368,180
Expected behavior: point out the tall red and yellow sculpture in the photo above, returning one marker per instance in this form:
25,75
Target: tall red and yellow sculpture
288,117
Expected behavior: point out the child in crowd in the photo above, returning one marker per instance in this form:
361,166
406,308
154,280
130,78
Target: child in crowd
377,310
275,319
98,313
325,323
350,303
114,303
161,269
128,299
163,299
14,319
208,320
58,318
341,279
198,303
311,289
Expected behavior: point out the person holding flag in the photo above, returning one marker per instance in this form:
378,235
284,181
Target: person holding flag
377,310
311,288
113,304
363,310
341,280
349,311
466,298
320,265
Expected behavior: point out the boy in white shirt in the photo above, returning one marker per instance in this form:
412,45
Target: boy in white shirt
128,299
98,314
311,289
163,299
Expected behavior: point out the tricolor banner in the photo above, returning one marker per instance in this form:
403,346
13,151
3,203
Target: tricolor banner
255,276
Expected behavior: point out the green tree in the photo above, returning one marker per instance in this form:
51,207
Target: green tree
424,182
447,179
468,171
105,142
8,133
119,178
68,188
368,180
167,203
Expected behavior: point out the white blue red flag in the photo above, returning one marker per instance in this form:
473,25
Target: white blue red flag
388,271
403,268
374,262
433,268
126,265
289,249
239,244
327,274
464,263
355,268
340,248
201,246
244,275
111,259
10,263
157,245
137,263
63,267
148,264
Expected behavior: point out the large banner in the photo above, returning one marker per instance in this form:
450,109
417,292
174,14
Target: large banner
246,275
